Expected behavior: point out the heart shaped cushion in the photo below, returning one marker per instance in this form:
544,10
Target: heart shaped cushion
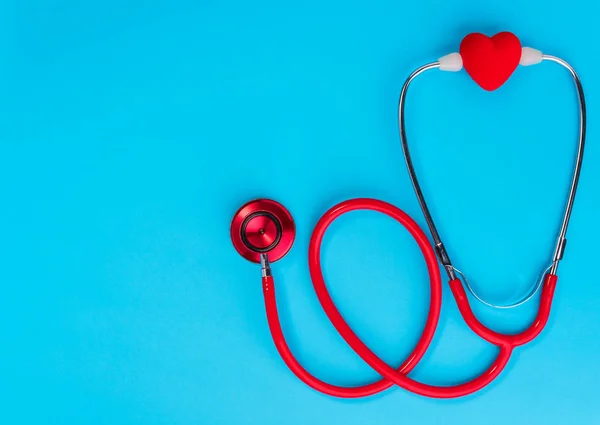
490,61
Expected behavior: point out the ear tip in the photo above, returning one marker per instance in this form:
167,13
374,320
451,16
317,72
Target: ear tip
452,62
530,56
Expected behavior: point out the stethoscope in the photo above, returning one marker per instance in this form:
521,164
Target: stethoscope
263,231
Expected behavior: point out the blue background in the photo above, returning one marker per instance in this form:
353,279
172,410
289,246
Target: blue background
130,132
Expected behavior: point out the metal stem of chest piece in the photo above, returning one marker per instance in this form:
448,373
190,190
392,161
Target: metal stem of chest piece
561,240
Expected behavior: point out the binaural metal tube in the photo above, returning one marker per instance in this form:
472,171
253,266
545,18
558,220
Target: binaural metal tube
439,246
562,240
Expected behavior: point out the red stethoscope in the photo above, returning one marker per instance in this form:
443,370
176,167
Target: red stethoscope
263,231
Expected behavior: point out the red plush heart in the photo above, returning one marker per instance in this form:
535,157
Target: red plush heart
490,61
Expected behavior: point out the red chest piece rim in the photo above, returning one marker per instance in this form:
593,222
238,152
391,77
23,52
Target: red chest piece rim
262,226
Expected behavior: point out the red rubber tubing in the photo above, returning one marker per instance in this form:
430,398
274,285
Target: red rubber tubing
399,377
430,325
317,384
499,339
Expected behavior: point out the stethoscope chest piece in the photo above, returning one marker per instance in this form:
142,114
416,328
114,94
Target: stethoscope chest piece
262,226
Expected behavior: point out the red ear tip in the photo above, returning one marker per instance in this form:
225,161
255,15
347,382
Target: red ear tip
490,61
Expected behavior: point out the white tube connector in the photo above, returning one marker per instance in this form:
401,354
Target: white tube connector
452,62
530,56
